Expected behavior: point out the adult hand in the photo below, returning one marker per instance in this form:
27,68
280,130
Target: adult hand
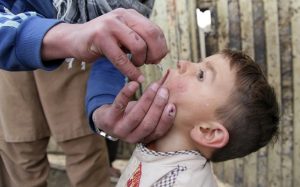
113,35
137,121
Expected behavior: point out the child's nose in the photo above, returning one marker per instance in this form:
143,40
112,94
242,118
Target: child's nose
182,66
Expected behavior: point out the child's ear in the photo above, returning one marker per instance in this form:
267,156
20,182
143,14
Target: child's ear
211,134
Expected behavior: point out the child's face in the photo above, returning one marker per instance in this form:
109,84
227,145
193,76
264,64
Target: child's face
198,89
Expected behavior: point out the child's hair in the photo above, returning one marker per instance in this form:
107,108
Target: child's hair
251,114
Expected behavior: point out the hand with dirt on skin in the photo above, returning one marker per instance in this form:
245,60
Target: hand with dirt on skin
112,35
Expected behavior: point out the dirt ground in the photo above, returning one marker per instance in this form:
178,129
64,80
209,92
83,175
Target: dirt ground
58,177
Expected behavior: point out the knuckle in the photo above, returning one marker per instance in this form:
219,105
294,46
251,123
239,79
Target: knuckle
131,10
108,20
137,63
134,121
156,56
119,11
131,72
160,55
140,47
148,127
120,60
125,94
153,32
100,32
119,106
143,111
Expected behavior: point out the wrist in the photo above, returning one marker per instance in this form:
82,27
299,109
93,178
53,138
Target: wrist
100,131
57,42
105,135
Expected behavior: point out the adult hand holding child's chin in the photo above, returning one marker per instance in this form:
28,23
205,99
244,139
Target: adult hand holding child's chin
137,121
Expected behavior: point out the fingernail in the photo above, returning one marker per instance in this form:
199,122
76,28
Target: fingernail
171,110
141,79
163,93
154,87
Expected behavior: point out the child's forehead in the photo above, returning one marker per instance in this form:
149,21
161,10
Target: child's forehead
215,57
217,60
220,65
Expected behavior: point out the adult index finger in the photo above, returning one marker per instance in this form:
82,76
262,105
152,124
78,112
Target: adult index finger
123,98
133,118
152,117
120,60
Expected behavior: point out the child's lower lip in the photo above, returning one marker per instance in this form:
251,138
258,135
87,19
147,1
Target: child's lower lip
164,78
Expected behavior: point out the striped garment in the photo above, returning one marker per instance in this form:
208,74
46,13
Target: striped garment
8,19
23,24
80,11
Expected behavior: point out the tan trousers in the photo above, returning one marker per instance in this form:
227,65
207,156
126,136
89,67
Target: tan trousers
35,105
42,103
26,164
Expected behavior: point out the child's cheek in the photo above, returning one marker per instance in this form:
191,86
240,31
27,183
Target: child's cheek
180,86
176,86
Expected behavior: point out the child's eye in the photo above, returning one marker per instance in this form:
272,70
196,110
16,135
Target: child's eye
201,75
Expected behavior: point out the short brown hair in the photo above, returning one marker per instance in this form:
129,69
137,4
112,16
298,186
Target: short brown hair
251,114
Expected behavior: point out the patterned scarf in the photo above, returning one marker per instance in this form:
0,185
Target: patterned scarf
80,11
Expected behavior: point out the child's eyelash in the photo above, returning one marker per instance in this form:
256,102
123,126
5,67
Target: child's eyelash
201,75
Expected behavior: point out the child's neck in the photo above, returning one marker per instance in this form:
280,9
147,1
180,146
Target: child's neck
174,140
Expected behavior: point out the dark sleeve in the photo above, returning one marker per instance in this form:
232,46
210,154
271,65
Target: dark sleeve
104,84
21,38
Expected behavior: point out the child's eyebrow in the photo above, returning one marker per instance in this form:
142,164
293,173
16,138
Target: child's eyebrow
212,69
